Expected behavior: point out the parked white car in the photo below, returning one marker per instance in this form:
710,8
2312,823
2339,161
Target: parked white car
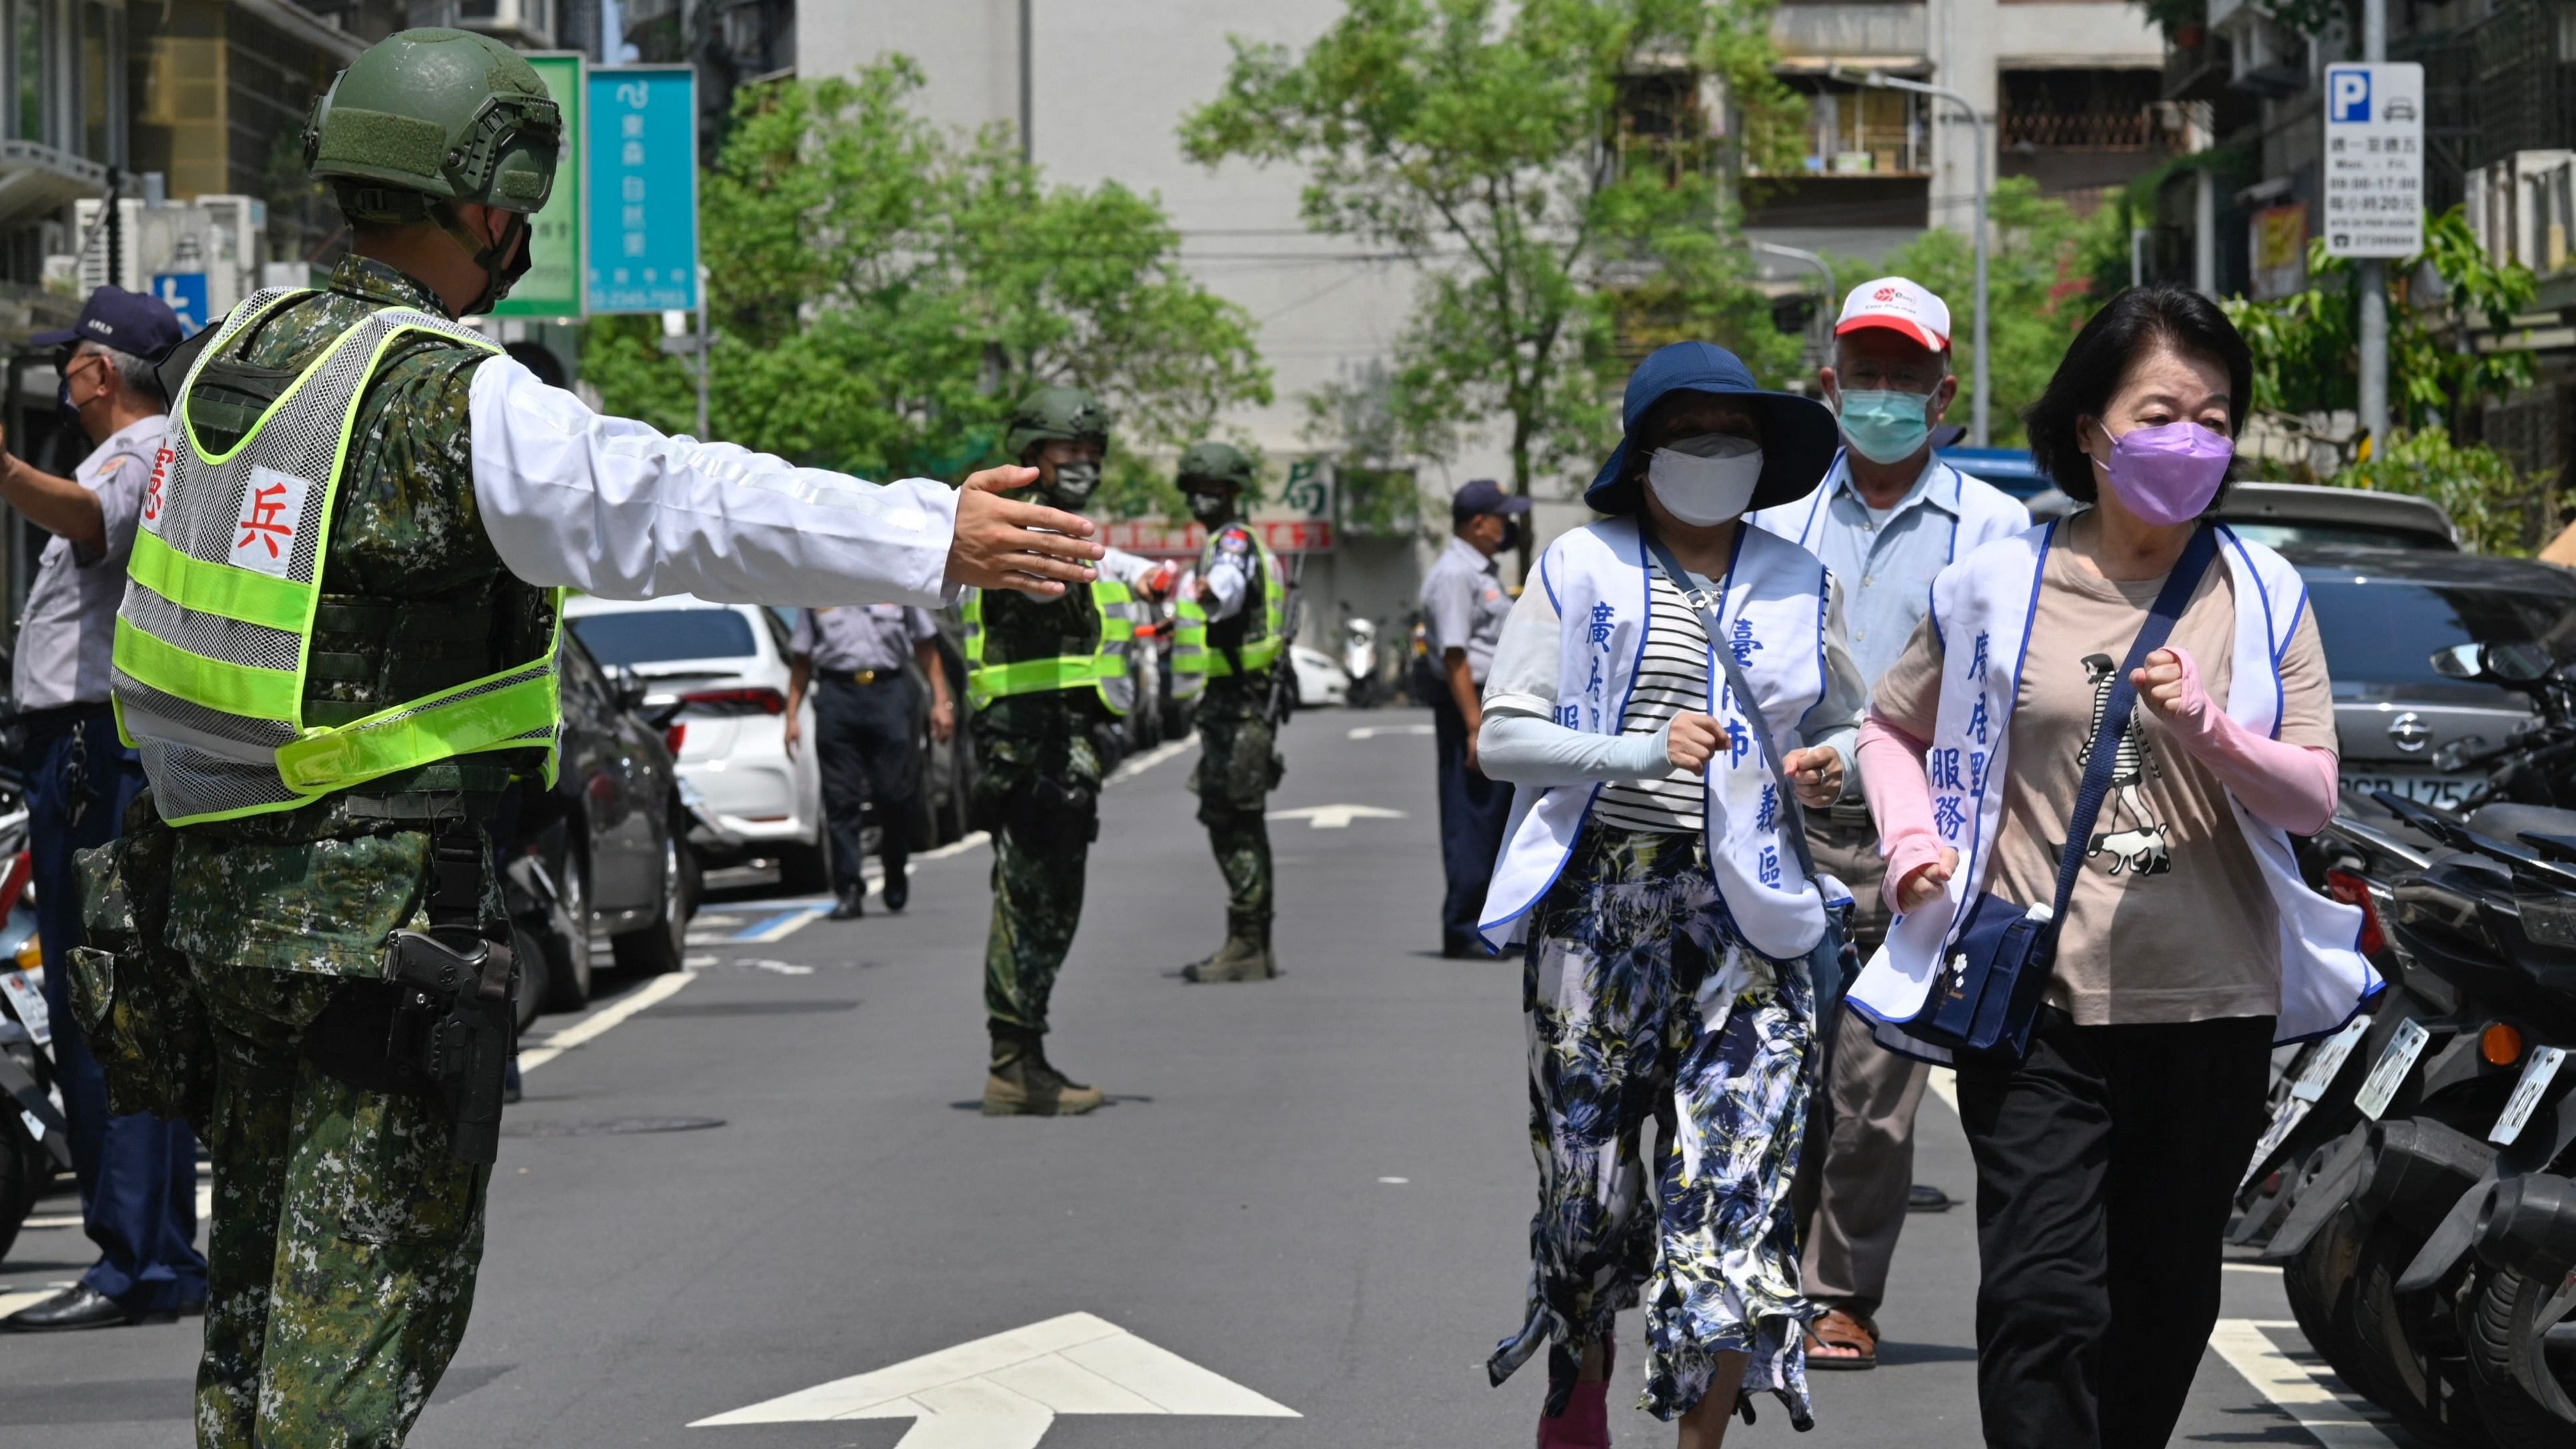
728,664
1321,684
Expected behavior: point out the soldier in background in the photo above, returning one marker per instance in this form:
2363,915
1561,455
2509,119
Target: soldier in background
1050,682
311,831
1238,614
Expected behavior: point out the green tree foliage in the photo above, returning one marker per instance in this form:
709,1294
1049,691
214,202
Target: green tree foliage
2041,286
2498,507
883,291
2307,345
1483,141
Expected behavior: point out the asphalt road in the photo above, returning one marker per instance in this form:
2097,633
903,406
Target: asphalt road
1316,1190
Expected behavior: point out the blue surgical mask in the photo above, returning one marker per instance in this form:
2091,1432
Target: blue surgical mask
1886,427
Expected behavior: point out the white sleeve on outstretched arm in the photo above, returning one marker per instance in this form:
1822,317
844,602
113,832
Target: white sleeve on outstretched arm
613,507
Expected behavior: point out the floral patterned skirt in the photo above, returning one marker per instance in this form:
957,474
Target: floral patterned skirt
1643,1002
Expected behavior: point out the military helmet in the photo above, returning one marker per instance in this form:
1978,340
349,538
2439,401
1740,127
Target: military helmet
1056,412
435,115
1218,463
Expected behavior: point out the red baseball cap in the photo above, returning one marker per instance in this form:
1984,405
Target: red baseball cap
1900,305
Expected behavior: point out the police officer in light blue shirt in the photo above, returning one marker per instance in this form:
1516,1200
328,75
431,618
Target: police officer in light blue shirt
1463,607
1888,517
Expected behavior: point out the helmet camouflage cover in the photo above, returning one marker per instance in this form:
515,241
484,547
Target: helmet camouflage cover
1066,413
1216,463
435,115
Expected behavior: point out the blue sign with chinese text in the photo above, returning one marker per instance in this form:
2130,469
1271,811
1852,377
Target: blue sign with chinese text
642,247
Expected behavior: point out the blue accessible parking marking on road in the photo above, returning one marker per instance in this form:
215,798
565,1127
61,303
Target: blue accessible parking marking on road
781,926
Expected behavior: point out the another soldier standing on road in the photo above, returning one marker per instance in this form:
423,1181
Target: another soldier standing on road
1239,611
328,716
138,1173
863,728
1050,685
1463,607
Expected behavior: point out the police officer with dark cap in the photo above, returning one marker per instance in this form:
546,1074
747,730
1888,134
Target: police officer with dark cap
1463,605
138,1172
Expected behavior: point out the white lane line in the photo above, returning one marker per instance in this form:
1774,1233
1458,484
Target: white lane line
1945,1085
1153,757
52,1220
2251,1267
605,1020
778,927
1370,732
12,1302
2325,1414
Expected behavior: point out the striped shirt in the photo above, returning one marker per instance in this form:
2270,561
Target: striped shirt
1672,678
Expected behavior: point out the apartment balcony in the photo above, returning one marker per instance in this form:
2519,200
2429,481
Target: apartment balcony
526,24
37,179
1812,39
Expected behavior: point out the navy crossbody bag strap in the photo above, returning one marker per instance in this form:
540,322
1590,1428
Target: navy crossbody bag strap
2167,611
1792,819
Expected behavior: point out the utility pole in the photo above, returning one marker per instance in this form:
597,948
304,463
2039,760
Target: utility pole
1028,80
2372,272
706,355
1981,397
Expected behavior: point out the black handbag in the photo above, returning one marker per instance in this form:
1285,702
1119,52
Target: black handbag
1986,998
1829,967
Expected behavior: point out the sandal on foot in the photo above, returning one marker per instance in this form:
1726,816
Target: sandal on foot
1839,1341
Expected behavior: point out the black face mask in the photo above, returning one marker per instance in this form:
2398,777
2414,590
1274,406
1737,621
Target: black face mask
1511,536
1210,507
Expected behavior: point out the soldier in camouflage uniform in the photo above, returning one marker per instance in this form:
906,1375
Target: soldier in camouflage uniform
346,1231
1239,592
1049,685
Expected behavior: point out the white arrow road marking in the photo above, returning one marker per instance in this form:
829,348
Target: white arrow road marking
2297,1392
1004,1391
1335,817
1370,732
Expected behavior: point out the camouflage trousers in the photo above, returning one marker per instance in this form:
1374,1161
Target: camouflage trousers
1238,765
1040,795
345,1239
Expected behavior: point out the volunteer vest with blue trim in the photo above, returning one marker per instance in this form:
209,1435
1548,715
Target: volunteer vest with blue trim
1983,605
1201,650
1019,645
1775,613
215,643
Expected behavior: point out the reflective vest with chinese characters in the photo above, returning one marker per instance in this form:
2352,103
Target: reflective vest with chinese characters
1203,650
1031,646
215,641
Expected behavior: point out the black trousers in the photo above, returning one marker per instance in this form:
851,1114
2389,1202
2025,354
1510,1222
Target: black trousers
863,744
2106,1163
1473,812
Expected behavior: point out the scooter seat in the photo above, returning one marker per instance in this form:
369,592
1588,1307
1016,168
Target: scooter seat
2513,822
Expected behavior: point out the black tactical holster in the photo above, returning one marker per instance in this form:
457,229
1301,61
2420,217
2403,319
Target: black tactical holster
440,1025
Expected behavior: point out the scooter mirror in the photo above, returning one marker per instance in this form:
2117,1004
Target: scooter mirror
2518,662
2460,661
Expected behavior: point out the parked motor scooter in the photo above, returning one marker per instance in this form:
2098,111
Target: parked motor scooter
1359,660
35,1141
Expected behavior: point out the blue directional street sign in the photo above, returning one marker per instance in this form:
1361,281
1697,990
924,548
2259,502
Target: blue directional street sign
642,242
186,294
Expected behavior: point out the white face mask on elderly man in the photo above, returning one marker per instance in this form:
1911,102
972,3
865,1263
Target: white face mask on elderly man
1705,480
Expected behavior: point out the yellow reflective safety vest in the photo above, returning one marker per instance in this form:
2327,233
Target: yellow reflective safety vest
214,642
1201,650
1000,663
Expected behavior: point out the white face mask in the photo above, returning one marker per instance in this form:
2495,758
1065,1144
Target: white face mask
1705,480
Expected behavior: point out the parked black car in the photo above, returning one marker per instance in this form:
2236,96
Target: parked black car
602,857
2383,613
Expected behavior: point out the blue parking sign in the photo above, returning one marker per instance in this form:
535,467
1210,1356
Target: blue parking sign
642,244
2348,94
185,294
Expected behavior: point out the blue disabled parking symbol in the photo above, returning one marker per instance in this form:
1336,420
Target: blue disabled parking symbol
185,292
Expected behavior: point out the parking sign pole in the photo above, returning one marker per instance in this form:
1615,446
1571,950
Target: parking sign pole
2373,273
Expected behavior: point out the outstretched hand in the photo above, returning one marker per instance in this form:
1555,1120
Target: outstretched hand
1004,544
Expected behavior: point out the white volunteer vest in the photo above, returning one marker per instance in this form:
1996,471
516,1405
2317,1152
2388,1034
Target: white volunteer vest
1983,605
1775,616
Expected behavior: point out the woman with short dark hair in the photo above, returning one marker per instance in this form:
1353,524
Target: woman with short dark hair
1654,877
2186,943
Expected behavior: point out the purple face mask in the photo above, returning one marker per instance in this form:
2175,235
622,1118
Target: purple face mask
2168,474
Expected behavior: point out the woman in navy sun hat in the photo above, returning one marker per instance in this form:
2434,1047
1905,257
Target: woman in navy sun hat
1652,881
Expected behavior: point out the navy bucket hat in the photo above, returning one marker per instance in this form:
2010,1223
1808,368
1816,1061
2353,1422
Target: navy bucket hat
1799,434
